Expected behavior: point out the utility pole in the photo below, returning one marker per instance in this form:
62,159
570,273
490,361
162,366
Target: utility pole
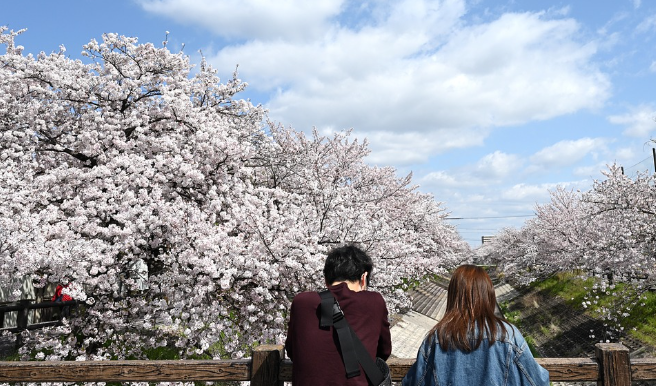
653,151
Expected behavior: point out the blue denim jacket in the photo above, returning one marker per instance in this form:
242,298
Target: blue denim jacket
505,362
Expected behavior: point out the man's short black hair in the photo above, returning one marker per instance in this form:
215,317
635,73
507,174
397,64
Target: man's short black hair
347,263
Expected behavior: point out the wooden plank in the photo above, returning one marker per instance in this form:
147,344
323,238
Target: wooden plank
399,367
124,371
643,369
266,365
560,369
615,364
570,369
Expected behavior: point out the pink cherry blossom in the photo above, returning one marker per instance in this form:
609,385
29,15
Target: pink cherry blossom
182,215
608,233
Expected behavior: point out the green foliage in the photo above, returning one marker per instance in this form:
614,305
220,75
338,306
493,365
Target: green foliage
531,346
162,353
408,284
569,286
639,321
514,317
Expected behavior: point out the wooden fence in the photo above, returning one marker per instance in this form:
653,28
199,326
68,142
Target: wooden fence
23,308
267,367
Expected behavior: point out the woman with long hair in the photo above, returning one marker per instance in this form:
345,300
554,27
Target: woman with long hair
471,345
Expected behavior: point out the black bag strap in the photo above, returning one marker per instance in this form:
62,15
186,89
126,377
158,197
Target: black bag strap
353,351
327,301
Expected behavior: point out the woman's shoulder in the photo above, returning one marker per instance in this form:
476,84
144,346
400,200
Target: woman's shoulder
513,334
509,326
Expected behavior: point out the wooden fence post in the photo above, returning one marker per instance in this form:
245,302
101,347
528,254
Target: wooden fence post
22,320
23,315
614,364
265,368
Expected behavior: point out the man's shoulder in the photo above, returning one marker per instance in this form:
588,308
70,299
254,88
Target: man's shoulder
371,296
363,296
307,297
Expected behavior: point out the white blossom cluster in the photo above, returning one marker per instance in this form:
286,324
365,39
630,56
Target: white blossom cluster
607,233
131,159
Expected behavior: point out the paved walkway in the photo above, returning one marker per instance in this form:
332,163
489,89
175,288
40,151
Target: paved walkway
429,304
408,333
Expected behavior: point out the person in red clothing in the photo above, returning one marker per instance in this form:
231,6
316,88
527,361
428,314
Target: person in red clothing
314,351
59,296
62,297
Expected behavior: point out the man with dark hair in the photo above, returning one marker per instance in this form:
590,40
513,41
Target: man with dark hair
314,350
347,264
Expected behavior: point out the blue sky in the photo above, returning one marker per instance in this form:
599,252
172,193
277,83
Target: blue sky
490,103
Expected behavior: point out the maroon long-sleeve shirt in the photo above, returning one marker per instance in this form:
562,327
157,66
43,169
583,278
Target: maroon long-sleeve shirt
317,361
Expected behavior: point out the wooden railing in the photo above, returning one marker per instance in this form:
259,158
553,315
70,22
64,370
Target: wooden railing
611,367
23,308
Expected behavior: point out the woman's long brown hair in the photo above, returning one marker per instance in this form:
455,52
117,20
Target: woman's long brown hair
471,302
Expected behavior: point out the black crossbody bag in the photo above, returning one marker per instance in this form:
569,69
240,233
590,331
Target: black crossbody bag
353,351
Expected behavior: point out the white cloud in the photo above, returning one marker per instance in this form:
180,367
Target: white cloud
565,153
624,154
492,168
648,24
540,193
414,68
638,122
605,29
497,165
590,171
442,180
404,148
637,3
621,155
525,192
251,19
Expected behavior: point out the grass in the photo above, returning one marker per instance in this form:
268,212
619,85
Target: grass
515,318
531,346
640,322
643,320
567,285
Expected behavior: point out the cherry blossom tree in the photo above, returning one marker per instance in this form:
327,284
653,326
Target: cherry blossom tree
183,217
608,233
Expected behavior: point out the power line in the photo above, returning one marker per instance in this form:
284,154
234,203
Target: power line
640,162
477,229
481,218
